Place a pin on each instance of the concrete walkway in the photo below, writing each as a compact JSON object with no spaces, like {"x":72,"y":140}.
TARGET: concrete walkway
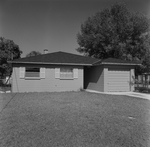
{"x":133,"y":94}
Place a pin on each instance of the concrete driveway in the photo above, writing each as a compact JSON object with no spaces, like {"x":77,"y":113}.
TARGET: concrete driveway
{"x":133,"y":94}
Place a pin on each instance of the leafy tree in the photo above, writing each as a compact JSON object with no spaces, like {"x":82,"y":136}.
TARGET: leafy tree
{"x":33,"y":53}
{"x":116,"y":33}
{"x":8,"y":51}
{"x":146,"y":58}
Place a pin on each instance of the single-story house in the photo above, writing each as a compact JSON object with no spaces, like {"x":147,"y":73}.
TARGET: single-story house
{"x":61,"y":71}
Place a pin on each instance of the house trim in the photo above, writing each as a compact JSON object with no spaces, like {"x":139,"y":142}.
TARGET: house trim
{"x":120,"y":63}
{"x":51,"y":63}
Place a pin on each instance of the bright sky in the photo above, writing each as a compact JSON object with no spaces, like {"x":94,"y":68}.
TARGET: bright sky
{"x":52,"y":24}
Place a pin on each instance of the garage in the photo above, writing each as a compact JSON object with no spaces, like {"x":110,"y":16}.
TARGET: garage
{"x":118,"y":80}
{"x":110,"y":75}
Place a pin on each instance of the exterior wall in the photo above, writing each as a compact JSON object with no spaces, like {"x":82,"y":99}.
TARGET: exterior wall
{"x":132,"y":79}
{"x":47,"y":84}
{"x":94,"y":78}
{"x":105,"y":79}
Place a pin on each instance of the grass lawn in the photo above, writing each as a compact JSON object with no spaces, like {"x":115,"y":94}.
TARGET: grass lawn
{"x":73,"y":119}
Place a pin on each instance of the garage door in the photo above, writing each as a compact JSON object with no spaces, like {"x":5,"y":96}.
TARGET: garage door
{"x":118,"y":80}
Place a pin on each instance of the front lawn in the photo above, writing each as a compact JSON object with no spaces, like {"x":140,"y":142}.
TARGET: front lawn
{"x":73,"y":119}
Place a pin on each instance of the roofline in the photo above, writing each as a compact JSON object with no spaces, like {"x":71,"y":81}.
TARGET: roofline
{"x":51,"y":63}
{"x":96,"y":62}
{"x":121,"y":63}
{"x":115,"y":63}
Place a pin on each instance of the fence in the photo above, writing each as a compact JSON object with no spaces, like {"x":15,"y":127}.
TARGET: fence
{"x":142,"y":83}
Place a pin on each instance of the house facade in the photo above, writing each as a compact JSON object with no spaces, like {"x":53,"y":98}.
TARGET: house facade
{"x":62,"y":71}
{"x":46,"y":78}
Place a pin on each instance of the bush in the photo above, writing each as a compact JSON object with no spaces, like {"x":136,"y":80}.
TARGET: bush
{"x":142,"y":89}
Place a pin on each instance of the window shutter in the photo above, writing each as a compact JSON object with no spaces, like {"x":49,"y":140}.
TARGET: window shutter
{"x":57,"y":73}
{"x":42,"y":73}
{"x":22,"y":72}
{"x":75,"y":73}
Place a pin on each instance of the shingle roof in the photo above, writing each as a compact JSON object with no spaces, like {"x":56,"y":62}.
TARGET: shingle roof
{"x":63,"y":58}
{"x":58,"y":58}
{"x":115,"y":61}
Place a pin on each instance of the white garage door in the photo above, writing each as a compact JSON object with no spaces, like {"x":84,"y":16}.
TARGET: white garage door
{"x":118,"y":80}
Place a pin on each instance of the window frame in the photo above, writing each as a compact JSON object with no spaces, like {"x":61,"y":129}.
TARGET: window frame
{"x":32,"y":77}
{"x":68,"y":75}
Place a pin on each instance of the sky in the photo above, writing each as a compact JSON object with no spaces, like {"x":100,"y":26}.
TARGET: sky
{"x":36,"y":25}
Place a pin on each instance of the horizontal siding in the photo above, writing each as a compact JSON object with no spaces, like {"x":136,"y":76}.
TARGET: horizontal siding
{"x":95,"y":78}
{"x":118,"y":80}
{"x":47,"y":84}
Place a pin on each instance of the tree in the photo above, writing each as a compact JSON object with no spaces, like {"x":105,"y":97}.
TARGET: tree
{"x":145,"y":68}
{"x":116,"y":33}
{"x":8,"y":51}
{"x":33,"y":53}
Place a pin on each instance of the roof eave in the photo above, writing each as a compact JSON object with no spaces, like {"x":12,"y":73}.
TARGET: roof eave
{"x":121,"y":63}
{"x":96,"y":62}
{"x":82,"y":64}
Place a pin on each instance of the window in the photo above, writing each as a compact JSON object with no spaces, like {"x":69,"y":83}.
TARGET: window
{"x":66,"y":73}
{"x":32,"y":72}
